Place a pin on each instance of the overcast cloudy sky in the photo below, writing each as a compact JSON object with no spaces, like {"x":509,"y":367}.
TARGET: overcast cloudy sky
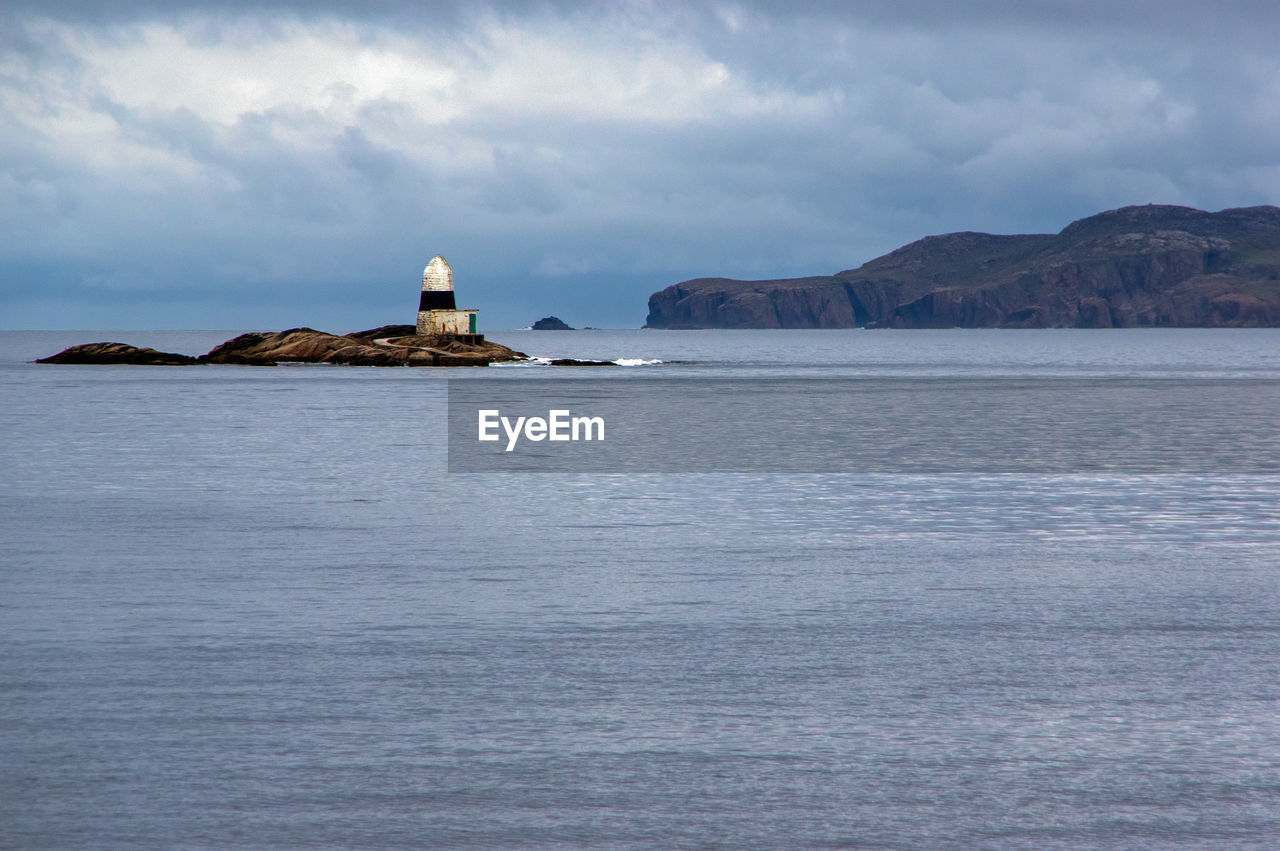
{"x":256,"y":165}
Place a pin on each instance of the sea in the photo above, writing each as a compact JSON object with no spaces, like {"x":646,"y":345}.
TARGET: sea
{"x":254,"y":608}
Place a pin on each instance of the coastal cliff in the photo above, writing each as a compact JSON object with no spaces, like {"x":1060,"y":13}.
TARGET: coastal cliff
{"x":1143,"y":266}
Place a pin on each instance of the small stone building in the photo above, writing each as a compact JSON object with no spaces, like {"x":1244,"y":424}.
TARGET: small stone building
{"x":438,"y":313}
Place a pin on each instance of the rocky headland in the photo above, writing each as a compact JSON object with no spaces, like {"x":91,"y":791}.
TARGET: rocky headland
{"x":389,"y":345}
{"x":1148,"y":266}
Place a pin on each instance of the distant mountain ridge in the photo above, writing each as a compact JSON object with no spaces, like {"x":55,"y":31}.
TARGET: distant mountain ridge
{"x":1146,"y":266}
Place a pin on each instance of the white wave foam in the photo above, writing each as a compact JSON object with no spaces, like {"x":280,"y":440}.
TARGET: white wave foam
{"x":538,"y":360}
{"x":533,"y":361}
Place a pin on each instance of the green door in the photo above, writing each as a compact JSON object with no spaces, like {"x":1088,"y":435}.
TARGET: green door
{"x":472,"y":318}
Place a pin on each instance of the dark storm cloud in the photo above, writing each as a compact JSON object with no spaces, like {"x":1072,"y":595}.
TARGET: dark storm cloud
{"x":196,"y":160}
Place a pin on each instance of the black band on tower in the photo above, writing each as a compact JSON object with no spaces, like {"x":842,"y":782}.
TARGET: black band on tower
{"x":437,"y":300}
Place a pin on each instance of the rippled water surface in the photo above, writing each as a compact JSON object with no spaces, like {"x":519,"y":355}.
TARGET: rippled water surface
{"x":247,"y":607}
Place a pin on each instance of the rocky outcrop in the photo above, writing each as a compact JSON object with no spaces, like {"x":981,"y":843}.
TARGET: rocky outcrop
{"x":385,"y":346}
{"x":384,"y":331}
{"x":117,"y":353}
{"x":1134,"y":267}
{"x":550,"y":323}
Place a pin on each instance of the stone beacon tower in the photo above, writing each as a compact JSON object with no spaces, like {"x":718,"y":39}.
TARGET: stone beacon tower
{"x":438,"y":312}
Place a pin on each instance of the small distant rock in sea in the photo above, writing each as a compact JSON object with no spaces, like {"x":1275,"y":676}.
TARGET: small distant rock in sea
{"x":551,"y":323}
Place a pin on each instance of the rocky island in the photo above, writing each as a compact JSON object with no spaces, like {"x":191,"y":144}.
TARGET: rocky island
{"x":1147,"y":266}
{"x":389,"y":345}
{"x":550,"y":323}
{"x":443,"y":336}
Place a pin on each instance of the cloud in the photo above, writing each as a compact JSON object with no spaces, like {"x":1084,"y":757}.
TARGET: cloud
{"x":178,"y":156}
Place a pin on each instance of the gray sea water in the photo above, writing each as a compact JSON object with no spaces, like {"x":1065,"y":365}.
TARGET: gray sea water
{"x":250,"y":608}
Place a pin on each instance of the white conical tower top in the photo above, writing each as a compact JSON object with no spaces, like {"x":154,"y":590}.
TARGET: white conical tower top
{"x":437,"y":276}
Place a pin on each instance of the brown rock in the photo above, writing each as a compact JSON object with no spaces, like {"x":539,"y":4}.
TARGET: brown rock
{"x":306,"y":345}
{"x":385,"y":331}
{"x":366,"y":348}
{"x":117,"y":353}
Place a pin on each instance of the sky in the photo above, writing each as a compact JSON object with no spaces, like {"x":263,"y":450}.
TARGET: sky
{"x":244,"y":165}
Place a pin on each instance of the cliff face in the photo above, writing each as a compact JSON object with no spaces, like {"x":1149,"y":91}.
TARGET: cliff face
{"x":1133,"y":267}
